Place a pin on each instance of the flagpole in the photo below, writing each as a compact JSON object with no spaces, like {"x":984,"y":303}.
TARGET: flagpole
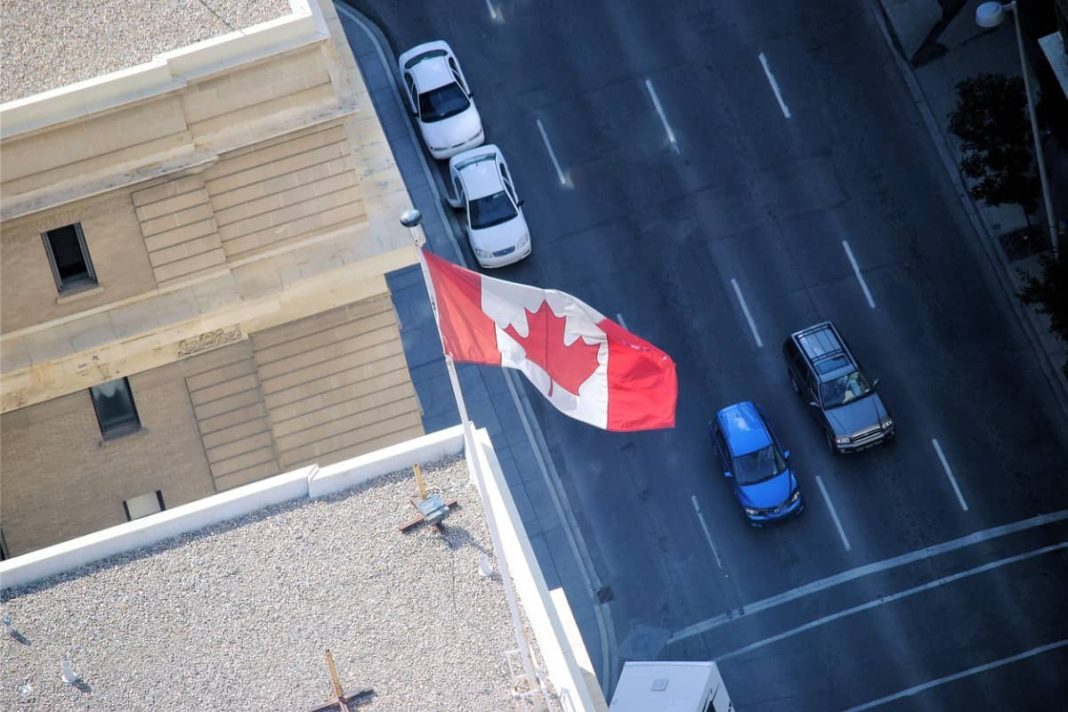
{"x":411,"y":219}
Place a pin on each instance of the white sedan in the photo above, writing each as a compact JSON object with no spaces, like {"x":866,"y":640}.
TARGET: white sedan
{"x":483,"y":186}
{"x":438,"y":96}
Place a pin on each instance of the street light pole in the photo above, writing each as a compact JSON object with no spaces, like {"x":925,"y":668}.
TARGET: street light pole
{"x":991,"y":14}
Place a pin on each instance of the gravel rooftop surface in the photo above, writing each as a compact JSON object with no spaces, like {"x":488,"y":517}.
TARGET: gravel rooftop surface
{"x":47,"y":45}
{"x":238,"y":616}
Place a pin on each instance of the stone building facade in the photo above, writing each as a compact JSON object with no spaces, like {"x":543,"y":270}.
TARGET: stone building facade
{"x":192,"y":277}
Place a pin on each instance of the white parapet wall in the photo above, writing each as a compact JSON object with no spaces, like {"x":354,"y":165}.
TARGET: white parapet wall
{"x":577,"y":689}
{"x":349,"y":473}
{"x":307,"y":482}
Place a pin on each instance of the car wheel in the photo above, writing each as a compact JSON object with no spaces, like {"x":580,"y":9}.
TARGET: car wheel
{"x":793,"y":383}
{"x":830,"y":443}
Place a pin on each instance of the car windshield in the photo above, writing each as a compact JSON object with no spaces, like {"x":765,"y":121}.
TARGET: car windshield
{"x":443,"y":102}
{"x":490,"y":210}
{"x":759,"y":465}
{"x":844,"y":389}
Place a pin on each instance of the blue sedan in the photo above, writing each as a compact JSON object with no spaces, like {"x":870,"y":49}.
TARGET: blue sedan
{"x":758,"y":467}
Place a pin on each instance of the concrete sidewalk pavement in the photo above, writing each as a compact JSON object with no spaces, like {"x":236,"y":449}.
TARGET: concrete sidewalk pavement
{"x":969,"y":51}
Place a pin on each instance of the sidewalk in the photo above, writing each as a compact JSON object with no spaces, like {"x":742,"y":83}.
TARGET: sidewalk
{"x":492,"y":402}
{"x":970,"y":50}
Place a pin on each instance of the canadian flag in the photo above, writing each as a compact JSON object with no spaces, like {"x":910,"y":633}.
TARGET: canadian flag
{"x":588,"y":366}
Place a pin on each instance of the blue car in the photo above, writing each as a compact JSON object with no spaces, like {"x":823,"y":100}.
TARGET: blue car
{"x":758,"y":467}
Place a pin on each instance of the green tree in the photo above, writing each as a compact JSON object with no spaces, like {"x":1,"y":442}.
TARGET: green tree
{"x":1049,"y":293}
{"x":991,"y":121}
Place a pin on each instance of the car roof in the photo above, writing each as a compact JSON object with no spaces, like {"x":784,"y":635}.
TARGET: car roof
{"x":743,"y":428}
{"x":824,"y":348}
{"x":478,"y":171}
{"x":432,"y":73}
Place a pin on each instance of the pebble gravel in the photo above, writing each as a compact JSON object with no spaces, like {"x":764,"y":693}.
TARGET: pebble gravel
{"x":238,"y":615}
{"x":47,"y":45}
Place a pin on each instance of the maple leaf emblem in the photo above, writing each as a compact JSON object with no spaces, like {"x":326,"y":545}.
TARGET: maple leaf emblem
{"x":569,"y":366}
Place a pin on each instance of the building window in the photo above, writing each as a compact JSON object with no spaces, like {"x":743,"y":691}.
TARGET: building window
{"x":69,"y":258}
{"x":144,"y":505}
{"x":115,"y":410}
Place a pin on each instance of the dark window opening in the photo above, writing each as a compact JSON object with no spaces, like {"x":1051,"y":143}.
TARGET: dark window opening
{"x":115,"y":409}
{"x":4,"y":553}
{"x":69,"y":257}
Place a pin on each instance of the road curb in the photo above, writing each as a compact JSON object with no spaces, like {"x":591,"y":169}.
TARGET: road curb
{"x":999,"y":262}
{"x":539,"y":447}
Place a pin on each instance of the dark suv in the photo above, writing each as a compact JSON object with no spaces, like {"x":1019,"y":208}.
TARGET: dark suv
{"x":824,"y":373}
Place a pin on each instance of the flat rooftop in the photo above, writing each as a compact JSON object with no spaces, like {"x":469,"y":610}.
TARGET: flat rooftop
{"x":238,"y":615}
{"x":47,"y":45}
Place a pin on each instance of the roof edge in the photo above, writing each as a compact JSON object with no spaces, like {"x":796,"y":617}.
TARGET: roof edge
{"x":69,"y":555}
{"x":166,"y":72}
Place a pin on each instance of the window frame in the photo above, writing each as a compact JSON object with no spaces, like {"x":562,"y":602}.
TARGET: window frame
{"x":126,"y":427}
{"x":87,"y":282}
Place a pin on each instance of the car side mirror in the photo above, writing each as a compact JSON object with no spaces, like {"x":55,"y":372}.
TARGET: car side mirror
{"x":728,"y":473}
{"x":520,"y":203}
{"x":786,"y":454}
{"x":875,"y":383}
{"x":814,"y":404}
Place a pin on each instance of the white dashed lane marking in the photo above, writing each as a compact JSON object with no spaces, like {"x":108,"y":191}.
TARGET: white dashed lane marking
{"x":774,"y":85}
{"x":834,"y":513}
{"x":748,"y":316}
{"x":856,"y":271}
{"x":949,"y":474}
{"x":708,"y":534}
{"x":663,"y":118}
{"x":564,"y":180}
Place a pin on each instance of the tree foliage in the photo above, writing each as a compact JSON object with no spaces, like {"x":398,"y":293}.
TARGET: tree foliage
{"x":1049,"y":293}
{"x":991,"y":121}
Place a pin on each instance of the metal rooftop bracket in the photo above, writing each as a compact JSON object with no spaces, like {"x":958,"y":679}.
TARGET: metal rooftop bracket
{"x":341,"y":701}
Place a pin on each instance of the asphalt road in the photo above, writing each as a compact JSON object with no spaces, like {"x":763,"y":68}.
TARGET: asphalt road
{"x":749,"y":201}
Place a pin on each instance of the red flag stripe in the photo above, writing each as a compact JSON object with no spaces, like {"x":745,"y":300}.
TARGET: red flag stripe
{"x":642,"y":383}
{"x":468,"y":334}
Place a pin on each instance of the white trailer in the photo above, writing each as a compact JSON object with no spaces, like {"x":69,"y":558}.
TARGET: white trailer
{"x":670,"y":687}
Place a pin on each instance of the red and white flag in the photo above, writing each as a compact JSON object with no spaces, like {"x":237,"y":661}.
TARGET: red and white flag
{"x":586,"y":365}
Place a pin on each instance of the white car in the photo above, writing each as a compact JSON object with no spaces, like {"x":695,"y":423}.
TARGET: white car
{"x":483,"y":186}
{"x":439,"y":98}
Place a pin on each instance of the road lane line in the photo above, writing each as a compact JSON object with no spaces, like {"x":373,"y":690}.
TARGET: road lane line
{"x":619,"y":318}
{"x":834,"y":514}
{"x":494,"y":15}
{"x":876,"y":567}
{"x":894,"y":597}
{"x":663,"y":117}
{"x":960,"y":675}
{"x":708,"y":534}
{"x":856,"y":271}
{"x":552,"y":154}
{"x":774,"y":85}
{"x":748,"y":316}
{"x":949,"y":474}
